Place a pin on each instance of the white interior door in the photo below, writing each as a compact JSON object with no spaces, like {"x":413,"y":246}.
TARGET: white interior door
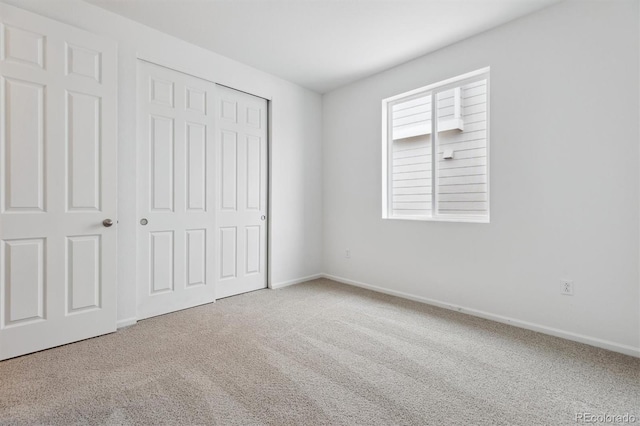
{"x":175,"y":190}
{"x":57,"y":183}
{"x":241,"y":201}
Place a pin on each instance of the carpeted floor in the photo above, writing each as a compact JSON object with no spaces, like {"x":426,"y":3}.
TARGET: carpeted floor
{"x":318,"y":353}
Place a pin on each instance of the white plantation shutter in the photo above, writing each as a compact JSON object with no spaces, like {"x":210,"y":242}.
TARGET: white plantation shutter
{"x":412,"y":118}
{"x":411,"y":157}
{"x":411,"y":176}
{"x":450,"y":110}
{"x":462,"y":181}
{"x":448,"y":181}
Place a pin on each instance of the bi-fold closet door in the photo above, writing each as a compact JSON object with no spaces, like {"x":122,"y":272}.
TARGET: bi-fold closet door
{"x":202,"y":191}
{"x":57,"y":183}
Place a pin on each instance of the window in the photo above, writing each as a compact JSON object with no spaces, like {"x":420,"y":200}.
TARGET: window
{"x":435,"y":162}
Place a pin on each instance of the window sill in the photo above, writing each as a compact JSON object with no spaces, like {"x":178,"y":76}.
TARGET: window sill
{"x":441,"y":219}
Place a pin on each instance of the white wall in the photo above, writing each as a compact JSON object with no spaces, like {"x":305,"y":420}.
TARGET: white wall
{"x":564,"y":180}
{"x":296,"y":203}
{"x":564,"y":171}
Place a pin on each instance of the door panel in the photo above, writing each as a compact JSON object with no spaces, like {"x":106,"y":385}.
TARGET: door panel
{"x":253,"y":245}
{"x":57,"y":183}
{"x":162,"y":163}
{"x":23,"y":146}
{"x":161,"y":261}
{"x":196,"y":257}
{"x":84,"y":281}
{"x":228,"y":252}
{"x":175,"y":190}
{"x":228,"y":177}
{"x":24,"y":281}
{"x":83,"y":147}
{"x":241,"y":205}
{"x":196,"y":167}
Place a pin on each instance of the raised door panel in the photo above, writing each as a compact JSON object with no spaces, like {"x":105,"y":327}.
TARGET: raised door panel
{"x":229,"y":111}
{"x":83,"y":150}
{"x":196,"y":257}
{"x":23,"y":281}
{"x":228,"y":252}
{"x":161,"y":249}
{"x":162,"y":163}
{"x":253,"y":246}
{"x":196,"y":100}
{"x":229,"y":167}
{"x":254,"y":117}
{"x":161,"y":92}
{"x":196,"y":145}
{"x":254,"y":173}
{"x":23,"y":146}
{"x":84,"y":281}
{"x":22,"y":46}
{"x":84,"y":62}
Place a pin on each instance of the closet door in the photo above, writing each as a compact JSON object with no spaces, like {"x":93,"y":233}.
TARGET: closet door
{"x":241,"y":202}
{"x":175,"y":190}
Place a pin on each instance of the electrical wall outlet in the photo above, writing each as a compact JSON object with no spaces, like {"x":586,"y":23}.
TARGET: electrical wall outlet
{"x":566,"y":287}
{"x":347,"y":253}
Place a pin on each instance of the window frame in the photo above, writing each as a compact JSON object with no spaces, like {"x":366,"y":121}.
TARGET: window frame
{"x":387,"y":144}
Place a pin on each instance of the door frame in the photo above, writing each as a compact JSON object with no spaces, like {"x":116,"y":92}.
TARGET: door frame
{"x":170,"y":61}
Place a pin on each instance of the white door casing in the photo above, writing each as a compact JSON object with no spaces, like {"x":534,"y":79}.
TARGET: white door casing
{"x":175,"y":190}
{"x":58,"y":177}
{"x":241,"y":198}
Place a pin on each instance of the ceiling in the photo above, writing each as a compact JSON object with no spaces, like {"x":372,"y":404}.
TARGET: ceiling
{"x":322,"y":44}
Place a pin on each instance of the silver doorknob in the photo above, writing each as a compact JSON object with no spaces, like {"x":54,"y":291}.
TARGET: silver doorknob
{"x":107,"y":223}
{"x":263,"y":217}
{"x":143,"y":221}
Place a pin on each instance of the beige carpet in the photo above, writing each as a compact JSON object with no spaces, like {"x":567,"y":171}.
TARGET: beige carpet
{"x":318,"y":353}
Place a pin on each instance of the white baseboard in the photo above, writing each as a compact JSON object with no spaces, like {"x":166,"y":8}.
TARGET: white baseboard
{"x":296,"y":281}
{"x":126,"y":322}
{"x":132,"y":321}
{"x":600,"y":343}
